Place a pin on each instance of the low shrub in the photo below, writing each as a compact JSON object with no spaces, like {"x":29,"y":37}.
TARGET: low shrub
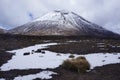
{"x":58,"y":54}
{"x":38,"y":51}
{"x":79,"y":64}
{"x":71,"y":56}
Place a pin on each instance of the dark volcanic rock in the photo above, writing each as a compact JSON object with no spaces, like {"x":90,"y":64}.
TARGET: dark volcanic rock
{"x":26,"y":53}
{"x":38,"y":51}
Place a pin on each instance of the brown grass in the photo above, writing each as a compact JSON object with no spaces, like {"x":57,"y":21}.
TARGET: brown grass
{"x":80,"y":64}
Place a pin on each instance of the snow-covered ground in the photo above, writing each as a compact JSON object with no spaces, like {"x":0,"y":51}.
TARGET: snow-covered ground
{"x":42,"y":75}
{"x":19,"y":52}
{"x":35,"y":61}
{"x":2,"y":79}
{"x":100,"y":59}
{"x":51,"y":60}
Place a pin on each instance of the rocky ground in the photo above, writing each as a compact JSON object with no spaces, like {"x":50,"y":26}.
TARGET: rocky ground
{"x":84,"y":46}
{"x":108,"y":72}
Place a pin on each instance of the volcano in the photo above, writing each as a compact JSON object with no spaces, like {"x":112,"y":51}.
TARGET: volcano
{"x":62,"y":23}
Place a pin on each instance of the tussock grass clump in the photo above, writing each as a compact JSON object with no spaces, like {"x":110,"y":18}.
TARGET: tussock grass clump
{"x":79,"y":64}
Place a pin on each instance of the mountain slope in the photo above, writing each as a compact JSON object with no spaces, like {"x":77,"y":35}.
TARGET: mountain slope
{"x":62,"y":23}
{"x":2,"y":31}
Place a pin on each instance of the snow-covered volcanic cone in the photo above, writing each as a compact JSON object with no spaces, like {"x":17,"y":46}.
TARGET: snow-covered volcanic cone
{"x":62,"y":23}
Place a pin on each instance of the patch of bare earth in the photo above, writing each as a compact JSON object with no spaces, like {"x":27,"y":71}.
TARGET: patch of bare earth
{"x":86,"y":46}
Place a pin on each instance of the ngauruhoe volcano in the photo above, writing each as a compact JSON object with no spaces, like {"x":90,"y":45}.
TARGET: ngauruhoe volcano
{"x":62,"y":23}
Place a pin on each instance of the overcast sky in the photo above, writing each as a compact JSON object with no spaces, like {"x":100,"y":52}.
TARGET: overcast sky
{"x":103,"y":12}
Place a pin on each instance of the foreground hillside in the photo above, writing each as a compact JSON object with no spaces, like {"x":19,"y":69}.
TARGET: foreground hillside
{"x":72,"y":45}
{"x":10,"y":42}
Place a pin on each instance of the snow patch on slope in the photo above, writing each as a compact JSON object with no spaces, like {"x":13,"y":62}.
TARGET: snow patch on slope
{"x":63,"y":16}
{"x":54,"y":15}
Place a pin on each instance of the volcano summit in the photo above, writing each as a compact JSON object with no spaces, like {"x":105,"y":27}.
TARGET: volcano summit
{"x":63,"y":23}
